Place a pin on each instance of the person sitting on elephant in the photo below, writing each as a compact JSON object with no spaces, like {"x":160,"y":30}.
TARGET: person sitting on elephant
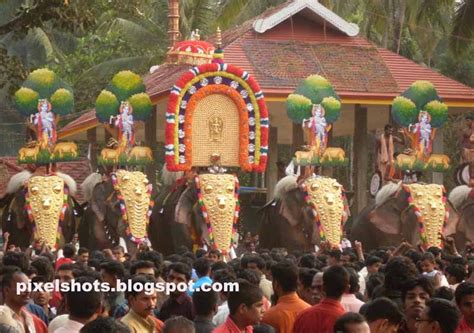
{"x":466,"y":141}
{"x":385,"y":152}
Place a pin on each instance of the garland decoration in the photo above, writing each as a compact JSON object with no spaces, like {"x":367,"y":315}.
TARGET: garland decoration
{"x":123,"y":210}
{"x":252,"y":109}
{"x":202,"y":206}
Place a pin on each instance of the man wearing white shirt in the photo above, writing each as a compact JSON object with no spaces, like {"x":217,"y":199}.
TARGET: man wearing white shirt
{"x":82,"y":306}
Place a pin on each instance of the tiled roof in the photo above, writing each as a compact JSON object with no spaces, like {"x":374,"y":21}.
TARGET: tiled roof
{"x":78,"y":170}
{"x":298,"y":47}
{"x":84,"y":122}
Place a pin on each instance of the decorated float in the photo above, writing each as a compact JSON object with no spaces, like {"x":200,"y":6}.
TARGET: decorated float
{"x":216,"y":120}
{"x":119,"y":199}
{"x":307,"y":208}
{"x":39,"y":205}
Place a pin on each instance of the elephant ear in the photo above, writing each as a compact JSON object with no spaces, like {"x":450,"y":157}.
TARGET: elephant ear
{"x":453,"y":220}
{"x":18,"y":205}
{"x":98,"y":201}
{"x":291,"y":207}
{"x":386,"y":218}
{"x":184,"y":207}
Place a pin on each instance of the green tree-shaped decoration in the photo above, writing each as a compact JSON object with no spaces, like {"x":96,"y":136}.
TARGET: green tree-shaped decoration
{"x":315,"y":89}
{"x":124,"y":86}
{"x":421,"y":95}
{"x":44,"y":83}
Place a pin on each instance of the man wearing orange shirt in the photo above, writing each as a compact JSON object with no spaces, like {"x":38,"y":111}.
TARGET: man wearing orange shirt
{"x":321,"y":317}
{"x":285,"y":282}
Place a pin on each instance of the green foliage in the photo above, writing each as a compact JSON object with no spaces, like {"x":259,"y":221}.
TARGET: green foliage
{"x":142,"y":106}
{"x":106,"y":105}
{"x":125,"y":84}
{"x":404,"y":111}
{"x":438,"y":112}
{"x":62,"y":101}
{"x":332,"y":107}
{"x":298,"y":108}
{"x":421,"y":92}
{"x":26,"y":101}
{"x":420,"y":96}
{"x":315,"y":87}
{"x":44,"y":81}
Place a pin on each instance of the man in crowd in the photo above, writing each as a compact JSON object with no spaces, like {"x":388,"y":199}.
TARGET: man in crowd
{"x":105,"y":325}
{"x":42,"y":298}
{"x":246,"y":309}
{"x":203,"y":269}
{"x":82,"y":307}
{"x":178,"y":325}
{"x":349,"y":300}
{"x":110,"y":272}
{"x":222,"y":276}
{"x":68,"y":255}
{"x":14,"y":309}
{"x":321,"y":317}
{"x":439,"y":316}
{"x":383,"y":316}
{"x":464,"y":296}
{"x":317,"y":288}
{"x":351,"y":323}
{"x":257,"y":264}
{"x":285,"y":282}
{"x":205,"y":307}
{"x":140,"y":317}
{"x":119,"y":253}
{"x":82,"y":257}
{"x":179,"y":303}
{"x":415,"y":295}
{"x":305,"y":279}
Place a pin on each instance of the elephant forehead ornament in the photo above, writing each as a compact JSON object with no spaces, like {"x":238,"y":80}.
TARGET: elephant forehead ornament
{"x":429,"y":204}
{"x":46,"y":203}
{"x":326,"y":197}
{"x":218,"y":199}
{"x":134,"y":193}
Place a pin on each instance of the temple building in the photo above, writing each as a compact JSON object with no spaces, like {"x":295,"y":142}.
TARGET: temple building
{"x":279,"y":48}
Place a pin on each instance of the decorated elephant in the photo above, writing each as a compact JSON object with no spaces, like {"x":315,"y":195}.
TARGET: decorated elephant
{"x":40,"y":208}
{"x":196,"y":211}
{"x":304,"y":213}
{"x":118,"y":210}
{"x":462,"y":198}
{"x":411,"y":212}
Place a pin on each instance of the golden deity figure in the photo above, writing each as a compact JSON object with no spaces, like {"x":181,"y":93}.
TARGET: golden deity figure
{"x":216,"y":127}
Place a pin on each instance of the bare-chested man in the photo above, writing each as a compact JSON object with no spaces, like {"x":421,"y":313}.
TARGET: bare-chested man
{"x":385,"y":152}
{"x":467,"y":141}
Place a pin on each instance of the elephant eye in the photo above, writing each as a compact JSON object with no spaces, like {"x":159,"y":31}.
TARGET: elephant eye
{"x":314,"y":187}
{"x":208,"y":189}
{"x":57,"y":189}
{"x":34,"y":190}
{"x":230,"y":189}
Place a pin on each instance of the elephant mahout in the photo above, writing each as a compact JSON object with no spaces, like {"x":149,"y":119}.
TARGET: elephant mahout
{"x":406,"y":212}
{"x":40,"y":207}
{"x":117,"y":211}
{"x":304,"y":213}
{"x":196,"y":211}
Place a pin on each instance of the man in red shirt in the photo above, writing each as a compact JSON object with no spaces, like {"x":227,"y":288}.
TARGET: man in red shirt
{"x":465,"y":301}
{"x":320,"y":318}
{"x":245,"y":309}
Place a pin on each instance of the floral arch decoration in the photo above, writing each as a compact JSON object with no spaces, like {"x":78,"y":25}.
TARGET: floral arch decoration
{"x":211,"y":79}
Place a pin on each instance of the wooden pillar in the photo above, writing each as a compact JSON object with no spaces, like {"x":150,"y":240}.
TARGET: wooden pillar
{"x":92,"y":139}
{"x":438,"y":148}
{"x":271,"y":175}
{"x":360,"y":158}
{"x":150,"y":141}
{"x":297,"y":138}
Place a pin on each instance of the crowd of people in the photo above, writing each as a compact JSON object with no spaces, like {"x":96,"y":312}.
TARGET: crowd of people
{"x":401,"y":289}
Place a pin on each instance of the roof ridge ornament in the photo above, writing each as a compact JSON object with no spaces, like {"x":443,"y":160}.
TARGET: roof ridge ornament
{"x":263,"y":23}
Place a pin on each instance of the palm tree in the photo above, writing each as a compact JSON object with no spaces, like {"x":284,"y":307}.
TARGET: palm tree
{"x":463,"y":26}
